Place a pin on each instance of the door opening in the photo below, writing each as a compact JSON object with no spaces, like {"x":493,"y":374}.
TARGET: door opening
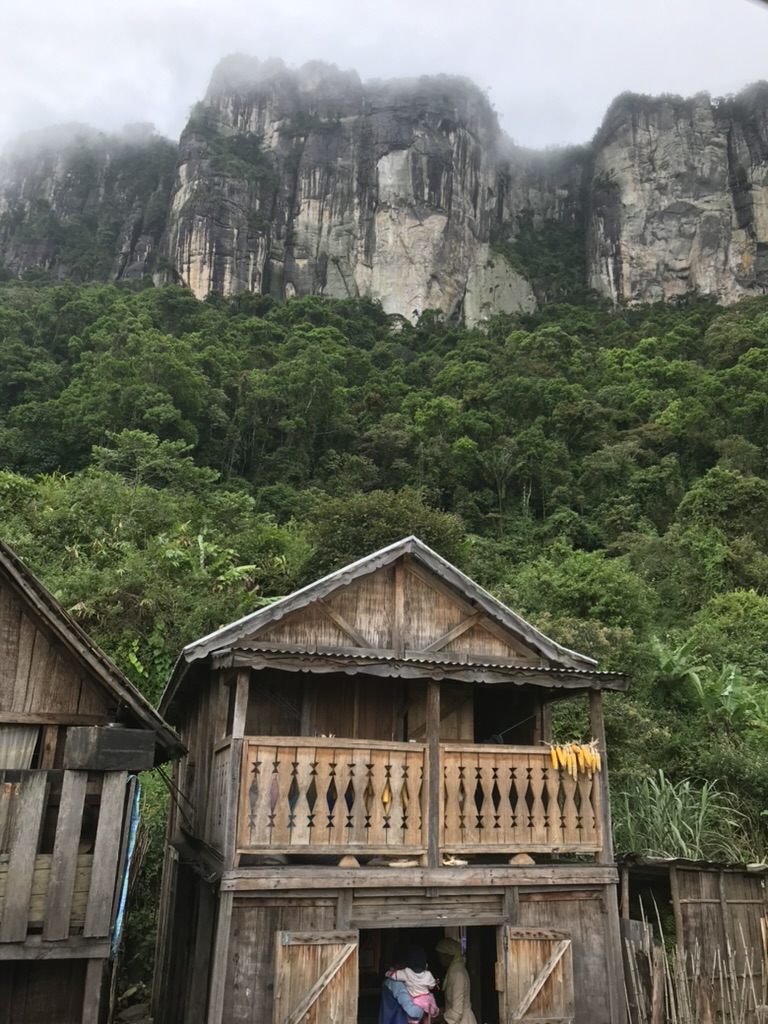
{"x":380,"y":948}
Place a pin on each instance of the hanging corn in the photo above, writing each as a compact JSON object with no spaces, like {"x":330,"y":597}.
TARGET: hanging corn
{"x":576,"y":757}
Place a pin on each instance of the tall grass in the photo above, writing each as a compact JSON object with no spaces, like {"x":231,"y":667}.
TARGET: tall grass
{"x":655,"y":817}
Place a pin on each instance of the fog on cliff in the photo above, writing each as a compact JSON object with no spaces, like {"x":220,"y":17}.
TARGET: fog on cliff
{"x":550,"y":66}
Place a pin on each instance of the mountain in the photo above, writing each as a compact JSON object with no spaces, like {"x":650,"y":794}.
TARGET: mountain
{"x":313,"y":182}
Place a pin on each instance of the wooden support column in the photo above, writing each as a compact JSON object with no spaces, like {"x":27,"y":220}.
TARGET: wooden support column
{"x":220,"y":959}
{"x":597,"y":726}
{"x":222,"y":704}
{"x":242,"y":687}
{"x":434,"y":815}
{"x":93,"y":994}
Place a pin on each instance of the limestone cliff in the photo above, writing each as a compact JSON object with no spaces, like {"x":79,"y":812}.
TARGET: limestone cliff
{"x":678,"y":199}
{"x":80,"y":205}
{"x":313,"y":182}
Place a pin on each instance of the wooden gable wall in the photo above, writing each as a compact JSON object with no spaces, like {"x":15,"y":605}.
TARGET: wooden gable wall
{"x":397,"y":609}
{"x":38,"y":680}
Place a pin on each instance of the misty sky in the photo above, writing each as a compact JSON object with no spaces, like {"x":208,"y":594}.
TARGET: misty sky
{"x":550,"y":66}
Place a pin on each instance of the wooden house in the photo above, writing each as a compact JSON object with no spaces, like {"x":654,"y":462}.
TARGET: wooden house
{"x":368,"y":764}
{"x":72,"y":730}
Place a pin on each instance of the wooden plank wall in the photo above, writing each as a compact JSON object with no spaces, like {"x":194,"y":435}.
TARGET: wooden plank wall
{"x":584,"y":914}
{"x":39,"y":993}
{"x":251,"y":960}
{"x":715,"y":909}
{"x":39,"y":681}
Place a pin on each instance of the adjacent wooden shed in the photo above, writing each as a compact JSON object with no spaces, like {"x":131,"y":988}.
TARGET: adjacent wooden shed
{"x":368,"y":763}
{"x":715,"y":913}
{"x":72,"y":732}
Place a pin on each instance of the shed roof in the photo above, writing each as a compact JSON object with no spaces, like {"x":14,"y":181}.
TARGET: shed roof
{"x":101,"y":671}
{"x":239,"y":635}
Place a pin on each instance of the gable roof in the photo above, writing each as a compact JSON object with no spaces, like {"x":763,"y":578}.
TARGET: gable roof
{"x":98,"y":668}
{"x":237,"y":634}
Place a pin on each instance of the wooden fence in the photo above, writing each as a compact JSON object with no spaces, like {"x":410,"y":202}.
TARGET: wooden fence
{"x":61,"y":838}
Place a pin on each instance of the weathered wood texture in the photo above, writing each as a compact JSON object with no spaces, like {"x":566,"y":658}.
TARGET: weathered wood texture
{"x":109,"y":749}
{"x":597,"y":966}
{"x":718,"y":910}
{"x":331,"y":796}
{"x":38,"y":676}
{"x":251,"y":952}
{"x":537,"y":975}
{"x":400,"y":610}
{"x":315,"y":977}
{"x":334,"y":796}
{"x":42,"y":993}
{"x":69,"y":887}
{"x":512,"y":799}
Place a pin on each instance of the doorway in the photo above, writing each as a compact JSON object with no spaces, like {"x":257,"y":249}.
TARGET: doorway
{"x":380,"y":947}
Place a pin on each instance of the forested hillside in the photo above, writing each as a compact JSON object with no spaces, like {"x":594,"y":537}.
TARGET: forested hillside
{"x":170,"y":463}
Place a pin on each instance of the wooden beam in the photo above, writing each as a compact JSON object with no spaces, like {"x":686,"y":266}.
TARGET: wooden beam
{"x":316,"y":876}
{"x":453,"y":634}
{"x":106,"y":870}
{"x":94,"y":992}
{"x":50,"y":718}
{"x":35,"y":949}
{"x":242,"y":688}
{"x":434,"y":786}
{"x":219,"y":959}
{"x":597,"y":726}
{"x":398,"y":617}
{"x":21,"y":862}
{"x":58,"y":907}
{"x":346,"y":627}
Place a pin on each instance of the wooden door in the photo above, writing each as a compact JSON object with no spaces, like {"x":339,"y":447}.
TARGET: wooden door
{"x":534,"y":975}
{"x":316,"y":978}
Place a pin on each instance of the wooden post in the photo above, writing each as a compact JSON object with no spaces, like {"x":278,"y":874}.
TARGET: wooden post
{"x":625,"y":893}
{"x":92,"y":996}
{"x":220,"y":959}
{"x":674,"y":889}
{"x":241,"y":703}
{"x":204,"y":931}
{"x":433,"y":814}
{"x":222,"y":705}
{"x":597,"y":726}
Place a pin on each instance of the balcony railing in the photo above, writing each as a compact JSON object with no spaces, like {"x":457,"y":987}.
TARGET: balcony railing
{"x":326,"y":795}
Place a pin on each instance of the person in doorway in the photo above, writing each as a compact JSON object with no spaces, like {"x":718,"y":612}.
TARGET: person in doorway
{"x":419,"y":982}
{"x":456,"y":985}
{"x":396,"y":1006}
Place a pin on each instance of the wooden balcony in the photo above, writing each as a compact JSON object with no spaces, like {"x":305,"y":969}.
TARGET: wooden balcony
{"x":314,"y":796}
{"x":61,"y":839}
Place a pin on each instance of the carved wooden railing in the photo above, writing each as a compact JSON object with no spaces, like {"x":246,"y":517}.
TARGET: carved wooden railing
{"x":511,"y":799}
{"x":324,"y":795}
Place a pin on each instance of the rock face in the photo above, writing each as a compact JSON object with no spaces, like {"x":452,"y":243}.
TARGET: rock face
{"x":312,"y":182}
{"x":678,"y":200}
{"x":80,"y":205}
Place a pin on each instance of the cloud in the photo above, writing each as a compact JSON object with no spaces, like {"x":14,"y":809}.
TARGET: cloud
{"x":550,"y":66}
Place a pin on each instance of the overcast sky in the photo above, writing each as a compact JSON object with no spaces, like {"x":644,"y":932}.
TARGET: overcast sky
{"x":550,"y":66}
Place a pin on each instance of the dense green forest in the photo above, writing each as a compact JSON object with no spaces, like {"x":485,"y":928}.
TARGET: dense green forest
{"x":170,"y":464}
